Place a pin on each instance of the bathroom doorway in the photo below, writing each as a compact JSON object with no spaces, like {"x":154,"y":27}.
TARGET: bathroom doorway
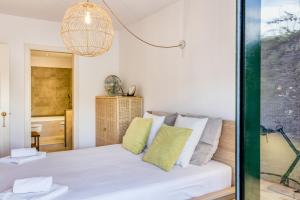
{"x":51,"y":100}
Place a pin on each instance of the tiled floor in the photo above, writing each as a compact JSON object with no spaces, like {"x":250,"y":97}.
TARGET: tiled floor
{"x":283,"y":193}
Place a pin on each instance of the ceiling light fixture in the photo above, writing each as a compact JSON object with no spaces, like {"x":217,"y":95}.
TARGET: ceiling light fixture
{"x":87,"y":30}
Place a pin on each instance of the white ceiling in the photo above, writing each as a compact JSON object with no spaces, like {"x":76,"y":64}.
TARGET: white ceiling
{"x":53,"y":10}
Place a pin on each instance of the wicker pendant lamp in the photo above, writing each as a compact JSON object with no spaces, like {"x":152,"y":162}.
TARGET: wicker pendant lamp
{"x":87,"y":30}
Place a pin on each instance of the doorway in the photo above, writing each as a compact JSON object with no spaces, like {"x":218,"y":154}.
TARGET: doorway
{"x":51,"y":100}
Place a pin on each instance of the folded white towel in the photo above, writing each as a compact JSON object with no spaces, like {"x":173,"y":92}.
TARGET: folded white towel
{"x":22,"y":160}
{"x":23,"y":152}
{"x":35,"y":184}
{"x":54,"y":192}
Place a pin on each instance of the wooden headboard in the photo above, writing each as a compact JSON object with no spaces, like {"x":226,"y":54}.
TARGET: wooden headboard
{"x":226,"y":149}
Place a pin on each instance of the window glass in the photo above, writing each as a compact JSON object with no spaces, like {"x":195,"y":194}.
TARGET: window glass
{"x":280,"y":99}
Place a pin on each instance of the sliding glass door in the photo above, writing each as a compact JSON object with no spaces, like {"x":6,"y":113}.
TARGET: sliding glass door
{"x":269,"y":106}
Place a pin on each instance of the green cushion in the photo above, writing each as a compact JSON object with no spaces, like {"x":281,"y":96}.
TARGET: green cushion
{"x":137,"y":134}
{"x":167,"y":146}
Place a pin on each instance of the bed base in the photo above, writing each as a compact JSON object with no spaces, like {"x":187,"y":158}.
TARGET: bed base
{"x":227,"y":194}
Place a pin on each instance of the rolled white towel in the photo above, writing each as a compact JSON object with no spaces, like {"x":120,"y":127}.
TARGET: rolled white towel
{"x":55,"y":191}
{"x":32,"y":185}
{"x":23,"y":152}
{"x":22,"y":160}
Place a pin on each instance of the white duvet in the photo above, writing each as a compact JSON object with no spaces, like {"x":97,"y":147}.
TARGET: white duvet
{"x":111,"y":173}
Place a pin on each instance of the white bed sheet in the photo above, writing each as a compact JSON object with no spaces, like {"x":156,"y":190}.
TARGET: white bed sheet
{"x":111,"y":172}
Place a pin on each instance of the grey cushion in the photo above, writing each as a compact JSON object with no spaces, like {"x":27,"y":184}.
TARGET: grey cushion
{"x":209,"y":140}
{"x":170,"y":117}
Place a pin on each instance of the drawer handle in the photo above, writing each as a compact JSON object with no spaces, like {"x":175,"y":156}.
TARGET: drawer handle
{"x":104,"y":129}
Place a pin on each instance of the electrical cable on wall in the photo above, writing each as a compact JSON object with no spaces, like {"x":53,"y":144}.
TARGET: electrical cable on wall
{"x":181,"y":44}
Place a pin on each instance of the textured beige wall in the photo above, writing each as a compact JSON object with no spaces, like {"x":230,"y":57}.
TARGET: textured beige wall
{"x":50,"y":61}
{"x":50,"y":88}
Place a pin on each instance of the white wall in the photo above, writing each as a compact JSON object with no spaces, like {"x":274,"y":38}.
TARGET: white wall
{"x":18,"y":32}
{"x":200,"y":79}
{"x":92,"y":75}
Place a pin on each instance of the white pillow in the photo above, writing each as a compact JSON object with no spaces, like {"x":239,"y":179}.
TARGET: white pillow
{"x":197,"y":125}
{"x":157,"y":122}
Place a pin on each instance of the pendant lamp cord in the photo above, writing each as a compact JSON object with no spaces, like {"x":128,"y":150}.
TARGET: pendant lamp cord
{"x":180,"y":45}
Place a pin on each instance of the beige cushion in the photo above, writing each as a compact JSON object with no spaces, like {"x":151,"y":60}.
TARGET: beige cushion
{"x":209,"y":140}
{"x":170,"y":117}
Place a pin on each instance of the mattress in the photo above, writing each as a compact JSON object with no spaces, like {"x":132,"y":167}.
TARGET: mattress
{"x":111,"y":172}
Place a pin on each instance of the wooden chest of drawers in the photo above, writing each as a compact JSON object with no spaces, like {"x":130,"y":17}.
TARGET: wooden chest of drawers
{"x":113,"y":116}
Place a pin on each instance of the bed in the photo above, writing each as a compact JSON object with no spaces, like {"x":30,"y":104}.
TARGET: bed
{"x":111,"y":172}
